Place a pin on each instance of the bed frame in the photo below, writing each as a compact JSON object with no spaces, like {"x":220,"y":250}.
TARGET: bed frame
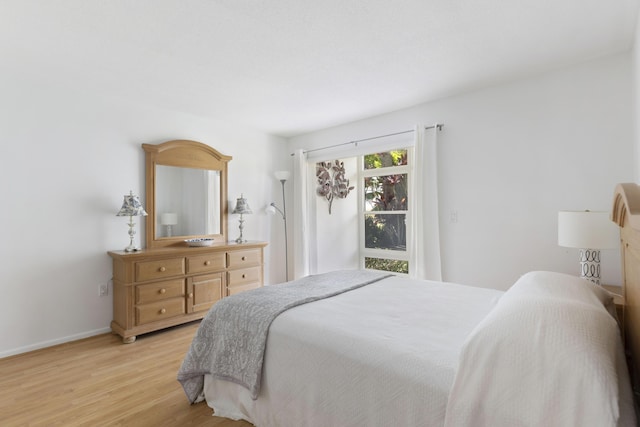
{"x":626,"y":213}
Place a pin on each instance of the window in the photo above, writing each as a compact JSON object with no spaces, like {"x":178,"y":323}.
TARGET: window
{"x":384,"y":211}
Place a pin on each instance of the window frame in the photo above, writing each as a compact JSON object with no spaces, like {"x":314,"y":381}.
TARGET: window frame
{"x":364,"y":252}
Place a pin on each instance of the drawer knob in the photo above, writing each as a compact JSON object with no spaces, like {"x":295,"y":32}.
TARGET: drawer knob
{"x":191,"y":295}
{"x":244,"y":276}
{"x":162,"y":269}
{"x":207,"y":263}
{"x":244,"y":258}
{"x":163,"y":310}
{"x":163,"y":290}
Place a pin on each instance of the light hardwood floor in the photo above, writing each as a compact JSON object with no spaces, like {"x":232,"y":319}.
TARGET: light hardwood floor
{"x":99,"y":381}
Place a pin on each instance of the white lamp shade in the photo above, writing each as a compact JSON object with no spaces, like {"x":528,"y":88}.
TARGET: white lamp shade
{"x":271,"y":210}
{"x":169,"y":218}
{"x":282,"y":175}
{"x":242,"y":206}
{"x":587,"y":230}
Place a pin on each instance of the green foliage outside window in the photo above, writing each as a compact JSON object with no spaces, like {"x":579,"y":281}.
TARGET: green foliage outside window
{"x":385,"y":193}
{"x":385,"y":160}
{"x":386,"y":196}
{"x":385,"y":231}
{"x":390,"y":265}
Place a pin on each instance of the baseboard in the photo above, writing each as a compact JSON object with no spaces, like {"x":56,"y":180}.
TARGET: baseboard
{"x":51,"y":343}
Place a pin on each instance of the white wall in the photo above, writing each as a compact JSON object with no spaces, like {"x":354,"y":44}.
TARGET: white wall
{"x":511,"y":157}
{"x":67,"y":159}
{"x":336,"y":234}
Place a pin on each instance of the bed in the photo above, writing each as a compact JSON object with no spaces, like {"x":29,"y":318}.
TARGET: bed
{"x":384,"y":350}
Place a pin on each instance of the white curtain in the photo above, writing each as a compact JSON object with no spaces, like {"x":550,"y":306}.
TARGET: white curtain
{"x":424,"y":240}
{"x":300,"y":216}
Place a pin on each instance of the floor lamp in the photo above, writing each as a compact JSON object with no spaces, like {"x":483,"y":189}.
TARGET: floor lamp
{"x":282,"y":176}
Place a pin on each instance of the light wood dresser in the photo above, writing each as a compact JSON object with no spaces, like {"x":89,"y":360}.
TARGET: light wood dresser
{"x":158,"y":288}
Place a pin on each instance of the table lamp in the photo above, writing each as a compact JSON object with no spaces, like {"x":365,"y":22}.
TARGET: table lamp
{"x":131,"y":207}
{"x":588,"y":231}
{"x":169,"y":219}
{"x":242,"y":208}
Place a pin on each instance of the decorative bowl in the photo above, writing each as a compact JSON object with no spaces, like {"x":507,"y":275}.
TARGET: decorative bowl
{"x":199,"y":242}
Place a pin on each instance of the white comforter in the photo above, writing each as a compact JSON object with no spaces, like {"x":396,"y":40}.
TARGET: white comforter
{"x":400,"y":339}
{"x":549,"y":354}
{"x":414,"y":353}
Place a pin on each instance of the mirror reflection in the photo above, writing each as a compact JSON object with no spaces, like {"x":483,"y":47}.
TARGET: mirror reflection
{"x":187,"y":201}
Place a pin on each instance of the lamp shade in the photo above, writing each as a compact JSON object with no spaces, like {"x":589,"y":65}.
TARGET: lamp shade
{"x":271,"y":210}
{"x":587,"y":230}
{"x":131,"y":206}
{"x":242,"y":207}
{"x":282,"y":175}
{"x":169,"y":218}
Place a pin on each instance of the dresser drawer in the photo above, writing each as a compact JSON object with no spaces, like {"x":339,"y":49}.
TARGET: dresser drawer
{"x":244,"y":276}
{"x":159,"y":291}
{"x":156,"y":311}
{"x":244,"y":258}
{"x":232,"y":290}
{"x":150,"y":270}
{"x":206,"y":263}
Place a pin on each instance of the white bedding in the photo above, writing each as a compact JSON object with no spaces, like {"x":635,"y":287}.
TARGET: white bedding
{"x":413,"y":353}
{"x":400,"y":338}
{"x":549,"y":354}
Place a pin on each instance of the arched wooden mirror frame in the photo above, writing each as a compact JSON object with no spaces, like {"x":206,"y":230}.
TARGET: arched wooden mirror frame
{"x":186,"y":154}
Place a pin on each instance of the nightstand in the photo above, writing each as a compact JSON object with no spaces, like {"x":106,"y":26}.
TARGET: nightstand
{"x":618,"y":300}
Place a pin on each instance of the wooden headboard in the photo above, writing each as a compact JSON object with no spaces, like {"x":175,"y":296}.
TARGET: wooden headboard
{"x":626,"y":213}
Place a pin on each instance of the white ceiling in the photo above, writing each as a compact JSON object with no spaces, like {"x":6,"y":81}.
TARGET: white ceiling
{"x":288,"y":67}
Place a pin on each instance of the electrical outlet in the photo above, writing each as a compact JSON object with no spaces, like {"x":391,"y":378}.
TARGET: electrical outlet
{"x":103,"y":290}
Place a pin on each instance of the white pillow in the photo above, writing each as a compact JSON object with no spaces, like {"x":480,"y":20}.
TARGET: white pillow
{"x":558,"y":285}
{"x":545,"y":355}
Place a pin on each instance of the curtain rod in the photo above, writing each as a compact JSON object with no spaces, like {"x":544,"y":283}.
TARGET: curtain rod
{"x":439,"y":126}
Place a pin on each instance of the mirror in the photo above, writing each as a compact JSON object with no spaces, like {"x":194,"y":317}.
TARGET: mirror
{"x":186,"y":201}
{"x":186,"y":193}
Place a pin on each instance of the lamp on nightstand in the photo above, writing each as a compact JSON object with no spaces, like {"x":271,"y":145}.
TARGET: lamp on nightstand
{"x":588,"y":231}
